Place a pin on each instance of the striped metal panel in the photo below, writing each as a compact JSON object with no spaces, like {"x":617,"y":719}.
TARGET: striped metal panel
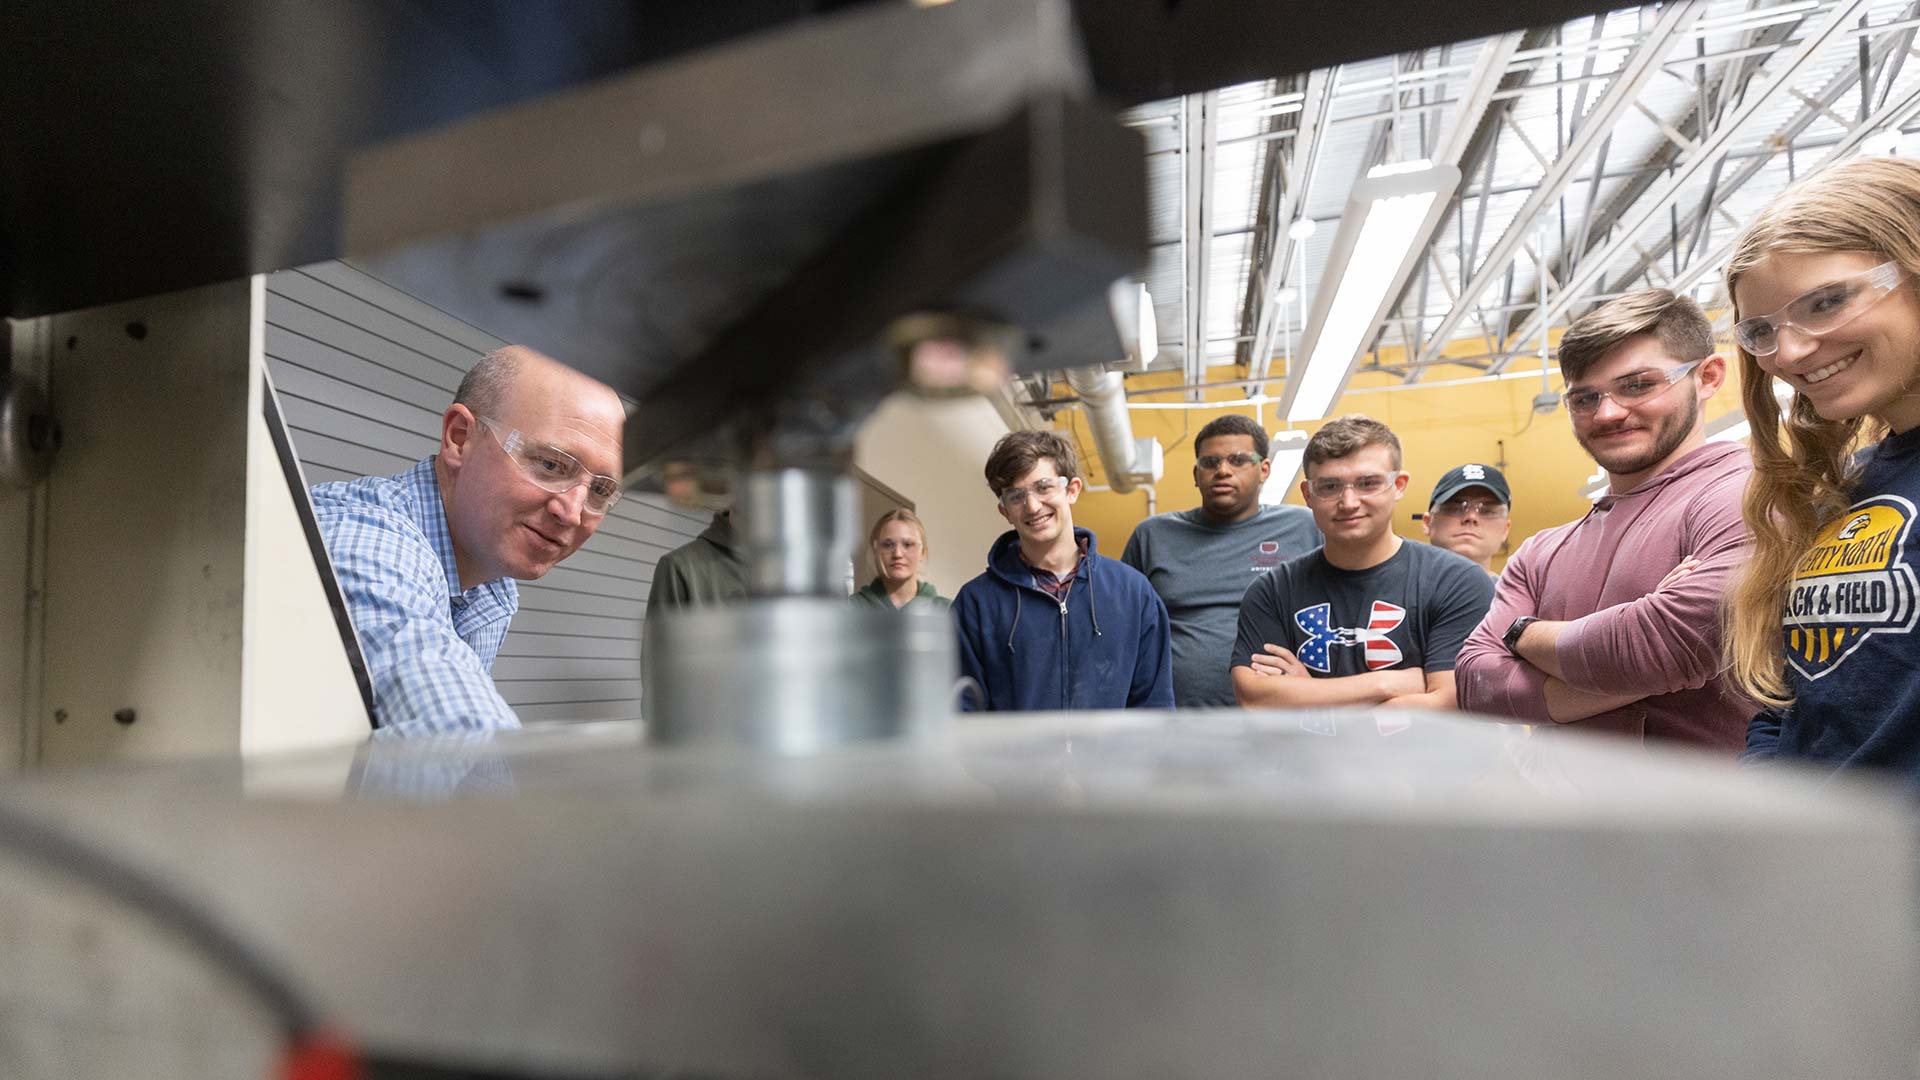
{"x":364,"y":372}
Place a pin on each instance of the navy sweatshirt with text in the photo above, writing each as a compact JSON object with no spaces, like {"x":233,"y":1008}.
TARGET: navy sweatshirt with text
{"x":1849,"y":633}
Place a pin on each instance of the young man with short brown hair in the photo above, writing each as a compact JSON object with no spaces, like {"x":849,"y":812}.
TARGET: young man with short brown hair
{"x":1052,"y":624}
{"x":1367,"y":618}
{"x":1612,"y":623}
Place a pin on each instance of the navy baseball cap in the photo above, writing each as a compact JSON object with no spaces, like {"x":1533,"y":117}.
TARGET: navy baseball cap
{"x":1462,"y":477}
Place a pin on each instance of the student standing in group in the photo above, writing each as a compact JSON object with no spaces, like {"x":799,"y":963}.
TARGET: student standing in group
{"x":1822,"y":621}
{"x":1470,"y":513}
{"x":1613,"y":622}
{"x":898,"y":542}
{"x":1367,"y":618}
{"x":1052,"y":624}
{"x":1201,"y":561}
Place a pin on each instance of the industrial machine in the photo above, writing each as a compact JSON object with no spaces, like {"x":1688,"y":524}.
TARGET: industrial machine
{"x":1196,"y":895}
{"x":756,"y":226}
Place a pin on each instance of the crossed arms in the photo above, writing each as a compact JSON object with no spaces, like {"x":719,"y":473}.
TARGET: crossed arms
{"x":1566,"y":671}
{"x":1278,"y":680}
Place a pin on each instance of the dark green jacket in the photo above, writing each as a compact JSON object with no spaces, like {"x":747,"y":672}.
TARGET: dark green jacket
{"x":875,"y":595}
{"x":710,"y":569}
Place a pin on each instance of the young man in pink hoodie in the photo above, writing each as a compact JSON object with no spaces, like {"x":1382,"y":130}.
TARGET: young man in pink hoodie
{"x":1612,"y":623}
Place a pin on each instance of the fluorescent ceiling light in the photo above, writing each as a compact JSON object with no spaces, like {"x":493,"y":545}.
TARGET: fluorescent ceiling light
{"x":1286,"y":449}
{"x":1386,"y":217}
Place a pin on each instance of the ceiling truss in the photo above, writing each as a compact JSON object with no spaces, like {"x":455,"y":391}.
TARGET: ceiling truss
{"x":1598,"y":156}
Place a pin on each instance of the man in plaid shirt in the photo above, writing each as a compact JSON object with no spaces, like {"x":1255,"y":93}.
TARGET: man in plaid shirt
{"x":529,"y":464}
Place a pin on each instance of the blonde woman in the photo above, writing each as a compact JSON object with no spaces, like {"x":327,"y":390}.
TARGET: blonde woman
{"x":1822,"y":623}
{"x":898,"y":542}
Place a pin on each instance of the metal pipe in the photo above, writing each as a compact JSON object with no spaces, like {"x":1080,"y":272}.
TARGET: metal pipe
{"x":1075,"y":403}
{"x":1104,"y":395}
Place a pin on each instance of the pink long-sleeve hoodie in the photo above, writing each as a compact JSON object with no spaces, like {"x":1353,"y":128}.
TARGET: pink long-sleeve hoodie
{"x":1600,"y":574}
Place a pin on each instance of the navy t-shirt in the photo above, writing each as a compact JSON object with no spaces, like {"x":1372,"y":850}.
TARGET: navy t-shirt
{"x":1853,"y":662}
{"x":1414,"y":610}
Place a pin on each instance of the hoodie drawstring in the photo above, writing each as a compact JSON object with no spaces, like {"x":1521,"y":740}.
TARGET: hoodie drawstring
{"x":1017,"y":605}
{"x":1092,"y":611}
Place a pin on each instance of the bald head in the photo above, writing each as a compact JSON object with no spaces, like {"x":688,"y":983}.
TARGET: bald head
{"x":503,"y":522}
{"x":512,"y":378}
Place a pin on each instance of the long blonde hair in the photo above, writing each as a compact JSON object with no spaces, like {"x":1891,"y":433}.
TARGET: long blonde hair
{"x":1803,"y":465}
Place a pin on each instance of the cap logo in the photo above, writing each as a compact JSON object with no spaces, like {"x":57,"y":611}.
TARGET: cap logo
{"x":1473,"y":472}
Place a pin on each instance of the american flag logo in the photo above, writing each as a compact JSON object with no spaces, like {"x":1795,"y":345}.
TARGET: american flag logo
{"x":1380,"y":651}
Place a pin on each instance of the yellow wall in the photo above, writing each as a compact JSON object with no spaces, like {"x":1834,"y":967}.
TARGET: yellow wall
{"x":1439,"y":427}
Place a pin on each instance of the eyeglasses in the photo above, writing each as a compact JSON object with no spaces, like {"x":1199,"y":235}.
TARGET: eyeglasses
{"x":1487,"y":509}
{"x":1238,"y":460}
{"x":554,"y":470}
{"x":1628,"y":391}
{"x":1329,"y":488}
{"x":891,"y":546}
{"x":1822,"y":311}
{"x":1014,"y":497}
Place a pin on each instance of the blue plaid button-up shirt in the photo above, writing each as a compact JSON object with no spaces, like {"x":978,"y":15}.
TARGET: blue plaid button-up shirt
{"x":429,"y":646}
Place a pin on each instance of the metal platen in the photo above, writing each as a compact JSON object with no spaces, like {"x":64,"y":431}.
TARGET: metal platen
{"x":1328,"y":894}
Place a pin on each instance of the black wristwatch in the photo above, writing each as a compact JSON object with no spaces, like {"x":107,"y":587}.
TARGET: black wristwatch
{"x":1512,"y":637}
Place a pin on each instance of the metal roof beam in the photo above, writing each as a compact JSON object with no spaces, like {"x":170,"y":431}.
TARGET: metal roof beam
{"x":1270,"y":276}
{"x":1481,"y":156}
{"x":1620,"y":95}
{"x":1887,"y":49}
{"x":1713,"y":147}
{"x":1198,"y":116}
{"x":1270,"y":182}
{"x":1893,"y":113}
{"x":1731,"y":86}
{"x":1474,"y":127}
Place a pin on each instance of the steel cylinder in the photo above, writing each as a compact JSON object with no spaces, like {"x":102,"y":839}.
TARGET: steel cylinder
{"x":794,"y":675}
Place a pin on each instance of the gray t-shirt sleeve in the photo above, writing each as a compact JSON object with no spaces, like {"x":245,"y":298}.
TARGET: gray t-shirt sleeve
{"x":1135,"y":554}
{"x":1462,"y":593}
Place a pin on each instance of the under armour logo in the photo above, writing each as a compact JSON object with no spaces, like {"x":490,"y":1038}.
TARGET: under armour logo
{"x":1380,"y":651}
{"x":1473,"y":472}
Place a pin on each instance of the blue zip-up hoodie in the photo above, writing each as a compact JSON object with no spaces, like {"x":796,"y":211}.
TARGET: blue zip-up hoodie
{"x":1107,"y":647}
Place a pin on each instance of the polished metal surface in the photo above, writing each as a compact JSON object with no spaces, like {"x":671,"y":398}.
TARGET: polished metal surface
{"x":799,"y":531}
{"x":799,"y":674}
{"x":1325,"y":894}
